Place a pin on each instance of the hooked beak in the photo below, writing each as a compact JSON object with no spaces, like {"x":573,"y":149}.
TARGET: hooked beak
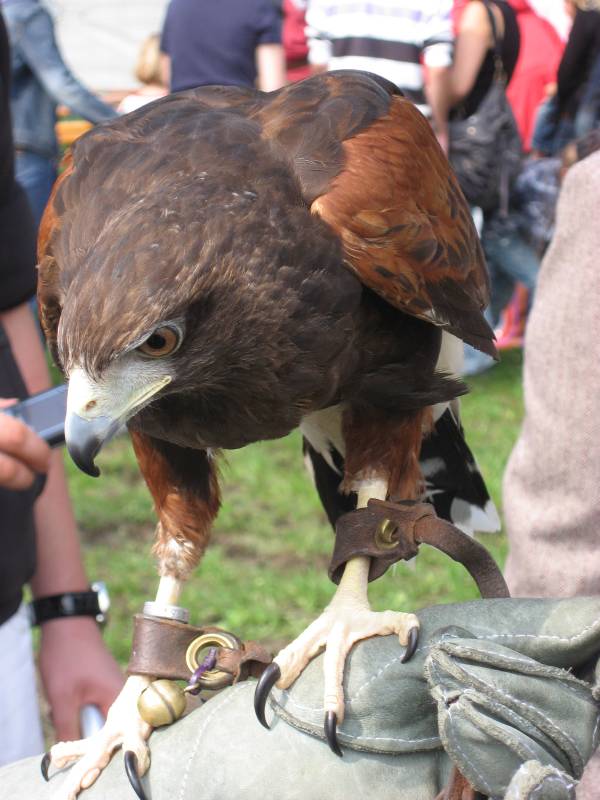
{"x":97,"y":410}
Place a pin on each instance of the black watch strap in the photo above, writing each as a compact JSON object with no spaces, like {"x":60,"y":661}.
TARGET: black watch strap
{"x":69,"y":604}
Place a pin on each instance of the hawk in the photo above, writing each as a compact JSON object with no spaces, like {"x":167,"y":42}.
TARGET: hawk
{"x":223,"y":266}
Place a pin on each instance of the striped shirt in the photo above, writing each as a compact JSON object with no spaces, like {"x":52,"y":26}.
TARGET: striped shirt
{"x":391,"y":38}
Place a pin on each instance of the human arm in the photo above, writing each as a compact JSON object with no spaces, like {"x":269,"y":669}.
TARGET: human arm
{"x":165,"y":69}
{"x":437,"y":91}
{"x":269,"y":54}
{"x":43,"y":57}
{"x":474,"y":38}
{"x":437,"y":60}
{"x":76,"y":667}
{"x":270,"y":67}
{"x":571,"y":70}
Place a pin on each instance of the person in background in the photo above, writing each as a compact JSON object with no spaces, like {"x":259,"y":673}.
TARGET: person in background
{"x":295,"y":43}
{"x":409,"y":42}
{"x":233,"y":42}
{"x":473,"y":67}
{"x":556,"y":121}
{"x":148,"y":72}
{"x":587,"y":118}
{"x":534,"y":76}
{"x":38,"y":533}
{"x":508,"y":256}
{"x":551,"y":485}
{"x":40,"y":81}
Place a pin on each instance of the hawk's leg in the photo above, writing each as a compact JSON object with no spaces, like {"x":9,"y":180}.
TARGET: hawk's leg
{"x":184,"y":487}
{"x":345,"y":621}
{"x":381,"y":454}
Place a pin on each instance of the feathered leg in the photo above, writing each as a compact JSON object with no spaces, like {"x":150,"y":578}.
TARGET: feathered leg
{"x":183,"y":484}
{"x":381,"y":460}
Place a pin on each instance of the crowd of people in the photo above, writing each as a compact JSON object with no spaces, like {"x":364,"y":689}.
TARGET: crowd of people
{"x":451,"y":59}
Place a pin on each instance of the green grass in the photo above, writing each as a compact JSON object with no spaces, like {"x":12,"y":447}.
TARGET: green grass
{"x":264,"y":576}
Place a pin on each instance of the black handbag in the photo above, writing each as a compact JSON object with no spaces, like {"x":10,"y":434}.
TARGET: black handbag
{"x":485,"y":147}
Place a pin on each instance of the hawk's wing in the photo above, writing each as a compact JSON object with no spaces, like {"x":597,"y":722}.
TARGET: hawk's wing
{"x":370,"y":166}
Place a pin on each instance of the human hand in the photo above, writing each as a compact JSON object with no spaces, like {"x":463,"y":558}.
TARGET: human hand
{"x":22,"y":452}
{"x":76,"y":670}
{"x":443,"y":140}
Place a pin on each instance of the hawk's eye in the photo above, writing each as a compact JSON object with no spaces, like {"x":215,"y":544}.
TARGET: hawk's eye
{"x":160,"y":343}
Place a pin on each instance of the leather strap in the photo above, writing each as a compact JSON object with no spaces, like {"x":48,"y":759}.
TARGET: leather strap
{"x":68,"y":604}
{"x":160,"y":647}
{"x":390,"y":532}
{"x":458,"y":788}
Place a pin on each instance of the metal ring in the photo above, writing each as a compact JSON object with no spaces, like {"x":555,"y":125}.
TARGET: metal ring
{"x":212,"y":678}
{"x":177,"y":613}
{"x":384,"y":535}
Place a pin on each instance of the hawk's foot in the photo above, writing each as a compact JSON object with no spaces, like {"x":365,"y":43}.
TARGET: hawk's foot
{"x":123,"y":728}
{"x":343,"y":623}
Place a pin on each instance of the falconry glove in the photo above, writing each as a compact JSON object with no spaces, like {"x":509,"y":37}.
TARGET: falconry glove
{"x":504,"y":690}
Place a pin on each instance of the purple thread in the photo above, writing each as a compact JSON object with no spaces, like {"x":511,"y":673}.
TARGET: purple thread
{"x":193,"y":685}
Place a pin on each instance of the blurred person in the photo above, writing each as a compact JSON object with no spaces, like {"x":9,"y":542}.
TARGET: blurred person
{"x":587,"y":117}
{"x":474,"y":66}
{"x":555,"y":124}
{"x":295,"y":42}
{"x":552,"y":480}
{"x":510,"y":259}
{"x":232,"y":43}
{"x":38,"y":534}
{"x":148,"y":71}
{"x":40,"y":81}
{"x":555,"y":13}
{"x":534,"y":76}
{"x":409,"y":42}
{"x":23,"y":455}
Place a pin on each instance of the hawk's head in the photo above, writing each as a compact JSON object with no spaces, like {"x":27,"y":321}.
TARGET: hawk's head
{"x":204,"y":308}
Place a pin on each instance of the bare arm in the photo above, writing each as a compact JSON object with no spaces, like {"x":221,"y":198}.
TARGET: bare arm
{"x":165,"y":69}
{"x":76,"y":667}
{"x":473,"y":40}
{"x":270,"y":67}
{"x":437,"y":90}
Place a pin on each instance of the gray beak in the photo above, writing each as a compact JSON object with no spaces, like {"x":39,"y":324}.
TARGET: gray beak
{"x":85,"y":437}
{"x":97,"y":410}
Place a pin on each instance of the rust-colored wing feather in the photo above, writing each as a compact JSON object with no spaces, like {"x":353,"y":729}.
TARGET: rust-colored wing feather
{"x":405,"y":226}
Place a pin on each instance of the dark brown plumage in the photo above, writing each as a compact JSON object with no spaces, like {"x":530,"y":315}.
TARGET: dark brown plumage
{"x":304,"y":242}
{"x":223,"y":266}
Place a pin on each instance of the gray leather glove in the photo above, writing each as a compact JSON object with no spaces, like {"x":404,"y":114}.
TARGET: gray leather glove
{"x":504,"y":689}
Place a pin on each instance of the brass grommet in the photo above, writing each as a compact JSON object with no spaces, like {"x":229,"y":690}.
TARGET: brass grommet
{"x":384,"y":535}
{"x":212,"y":678}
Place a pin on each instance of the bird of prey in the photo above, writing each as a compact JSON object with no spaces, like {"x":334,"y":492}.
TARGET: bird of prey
{"x":223,"y":266}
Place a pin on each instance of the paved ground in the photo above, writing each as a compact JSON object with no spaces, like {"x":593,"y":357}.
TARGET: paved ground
{"x":100,"y":38}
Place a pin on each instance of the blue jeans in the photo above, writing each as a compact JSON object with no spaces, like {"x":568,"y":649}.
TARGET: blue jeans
{"x":551,"y":133}
{"x":510,"y":260}
{"x":36,"y":174}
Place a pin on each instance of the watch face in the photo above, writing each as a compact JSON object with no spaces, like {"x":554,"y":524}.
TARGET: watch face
{"x":103,"y":600}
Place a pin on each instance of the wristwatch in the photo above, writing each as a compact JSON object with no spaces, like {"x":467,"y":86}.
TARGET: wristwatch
{"x":93,"y":603}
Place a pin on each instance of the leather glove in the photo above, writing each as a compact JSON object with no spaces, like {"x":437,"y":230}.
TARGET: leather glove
{"x":503,"y":689}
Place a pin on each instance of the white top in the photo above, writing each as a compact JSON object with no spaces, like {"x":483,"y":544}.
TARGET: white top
{"x":388,"y":37}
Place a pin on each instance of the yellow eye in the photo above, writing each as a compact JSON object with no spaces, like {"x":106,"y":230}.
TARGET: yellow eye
{"x":161,"y":343}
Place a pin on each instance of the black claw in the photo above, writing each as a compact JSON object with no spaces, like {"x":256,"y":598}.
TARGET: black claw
{"x":331,"y":733}
{"x":131,"y":768}
{"x":266,"y":682}
{"x":413,"y":640}
{"x":45,"y":766}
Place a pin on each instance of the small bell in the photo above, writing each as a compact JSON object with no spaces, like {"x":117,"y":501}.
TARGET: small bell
{"x":161,"y":703}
